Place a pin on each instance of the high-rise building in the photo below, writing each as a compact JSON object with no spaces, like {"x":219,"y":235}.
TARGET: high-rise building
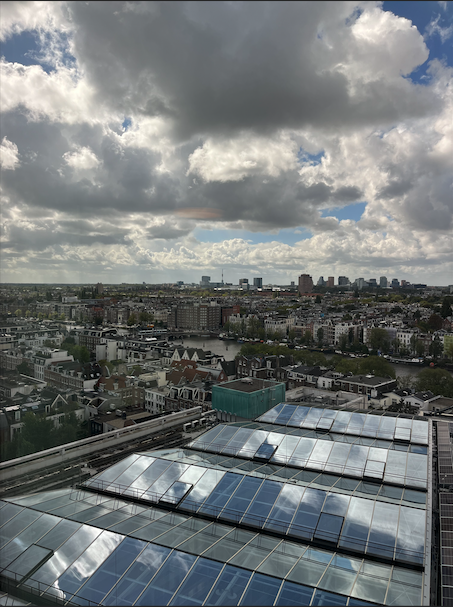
{"x":395,"y":283}
{"x":99,"y":288}
{"x":343,"y":281}
{"x":305,"y":284}
{"x":205,"y":280}
{"x":372,"y":282}
{"x":244,"y":283}
{"x":258,"y":283}
{"x":330,"y":281}
{"x":321,"y":282}
{"x":383,"y":282}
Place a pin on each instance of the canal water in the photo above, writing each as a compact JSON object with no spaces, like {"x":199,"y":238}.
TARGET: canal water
{"x":229,"y":349}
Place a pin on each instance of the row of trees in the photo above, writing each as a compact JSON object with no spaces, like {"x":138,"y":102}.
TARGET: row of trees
{"x":438,"y":381}
{"x":143,"y":318}
{"x":379,"y":340}
{"x":39,"y":433}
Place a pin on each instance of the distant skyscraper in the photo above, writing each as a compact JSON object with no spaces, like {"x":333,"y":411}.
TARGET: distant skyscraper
{"x":305,"y":284}
{"x":343,"y":281}
{"x":205,"y":280}
{"x":331,"y":281}
{"x":321,"y":282}
{"x":258,"y":283}
{"x":372,"y":282}
{"x":383,"y":282}
{"x":395,"y":283}
{"x":244,"y":283}
{"x":99,"y":288}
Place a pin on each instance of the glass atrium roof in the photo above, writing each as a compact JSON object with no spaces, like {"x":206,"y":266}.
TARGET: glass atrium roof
{"x":252,"y":513}
{"x":328,"y":452}
{"x":111,"y":552}
{"x":346,"y":422}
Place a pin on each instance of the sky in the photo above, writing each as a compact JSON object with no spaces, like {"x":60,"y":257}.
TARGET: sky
{"x":162,"y":141}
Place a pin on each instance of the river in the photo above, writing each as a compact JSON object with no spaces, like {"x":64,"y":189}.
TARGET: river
{"x":229,"y":349}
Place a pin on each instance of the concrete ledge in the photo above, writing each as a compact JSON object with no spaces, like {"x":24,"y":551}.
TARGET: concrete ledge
{"x":51,"y":457}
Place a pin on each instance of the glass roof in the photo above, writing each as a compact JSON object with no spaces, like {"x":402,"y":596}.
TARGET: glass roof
{"x":396,"y":531}
{"x":380,"y":460}
{"x":348,"y":422}
{"x":188,"y":561}
{"x":304,"y":506}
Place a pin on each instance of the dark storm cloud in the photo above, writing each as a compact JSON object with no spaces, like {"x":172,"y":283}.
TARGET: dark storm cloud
{"x":231,"y":66}
{"x":49,"y":234}
{"x":394,"y":189}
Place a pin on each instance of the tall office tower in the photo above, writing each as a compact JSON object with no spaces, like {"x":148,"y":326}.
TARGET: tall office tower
{"x":395,"y":283}
{"x":372,"y":282}
{"x":321,"y":282}
{"x":360,"y":283}
{"x":305,"y":284}
{"x":99,"y":288}
{"x":258,"y":283}
{"x":244,"y":283}
{"x":343,"y":281}
{"x":205,"y":280}
{"x":383,"y":282}
{"x":331,"y":281}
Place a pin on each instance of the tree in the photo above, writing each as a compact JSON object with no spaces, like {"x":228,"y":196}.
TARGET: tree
{"x":396,"y":343}
{"x":320,"y":335}
{"x":435,"y":322}
{"x":308,"y":337}
{"x":419,"y":348}
{"x":445,"y":309}
{"x":376,"y":365}
{"x":131,"y":320}
{"x":38,"y":431}
{"x":448,"y":348}
{"x":413,"y":340}
{"x":438,"y":381}
{"x":24,"y":368}
{"x":379,"y":339}
{"x":343,"y":342}
{"x":347,"y":365}
{"x":318,"y":299}
{"x":435,"y":348}
{"x":18,"y":312}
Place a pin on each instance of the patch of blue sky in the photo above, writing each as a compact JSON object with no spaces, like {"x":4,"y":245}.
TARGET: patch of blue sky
{"x":26,"y":48}
{"x":287,"y":236}
{"x":21,"y":48}
{"x":305,"y":158}
{"x":422,"y":14}
{"x":127,"y":123}
{"x":351,"y":211}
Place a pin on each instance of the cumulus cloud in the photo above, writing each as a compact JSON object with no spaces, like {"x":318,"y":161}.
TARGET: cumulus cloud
{"x":234,"y":159}
{"x":161,"y":119}
{"x":9,"y":155}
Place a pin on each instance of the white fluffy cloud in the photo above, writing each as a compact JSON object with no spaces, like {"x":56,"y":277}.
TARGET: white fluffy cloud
{"x":9,"y":155}
{"x":243,"y":156}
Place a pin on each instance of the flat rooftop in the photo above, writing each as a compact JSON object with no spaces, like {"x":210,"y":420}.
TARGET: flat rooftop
{"x":248,"y":384}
